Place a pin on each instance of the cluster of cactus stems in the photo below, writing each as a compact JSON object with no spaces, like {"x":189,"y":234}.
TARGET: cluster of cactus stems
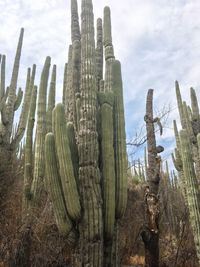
{"x":187,"y":159}
{"x":10,"y":101}
{"x":79,"y":151}
{"x":168,"y":191}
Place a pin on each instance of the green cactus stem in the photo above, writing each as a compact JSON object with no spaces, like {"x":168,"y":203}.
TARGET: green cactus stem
{"x":195,"y":112}
{"x":191,"y":188}
{"x":25,"y":108}
{"x":109,"y":51}
{"x":180,"y":104}
{"x":75,"y":28}
{"x":89,"y":175}
{"x":2,"y":77}
{"x":69,"y":89}
{"x":38,"y":174}
{"x":28,"y":166}
{"x":12,"y":89}
{"x":73,"y":148}
{"x":108,"y":163}
{"x":66,"y":170}
{"x":51,"y":100}
{"x":53,"y":182}
{"x":18,"y":100}
{"x":99,"y":52}
{"x":119,"y":141}
{"x":64,"y":83}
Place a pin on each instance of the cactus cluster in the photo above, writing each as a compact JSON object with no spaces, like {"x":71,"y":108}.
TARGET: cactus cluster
{"x":10,"y":101}
{"x":34,"y":170}
{"x":79,"y":152}
{"x":187,"y":159}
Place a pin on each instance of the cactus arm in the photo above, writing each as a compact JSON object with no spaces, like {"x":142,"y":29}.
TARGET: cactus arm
{"x":176,"y":135}
{"x":195,"y":112}
{"x":73,"y":148}
{"x":68,"y":88}
{"x":25,"y":107}
{"x":99,"y":52}
{"x":3,"y":104}
{"x":28,"y":168}
{"x":76,"y":70}
{"x":2,"y":77}
{"x":51,"y":100}
{"x":38,"y":174}
{"x":54,"y":189}
{"x":64,"y":84}
{"x":109,"y":51}
{"x":107,"y":162}
{"x":77,"y":113}
{"x":18,"y":100}
{"x":12,"y":91}
{"x":75,"y":28}
{"x":180,"y":104}
{"x":119,"y":141}
{"x":65,"y":164}
{"x":188,"y":125}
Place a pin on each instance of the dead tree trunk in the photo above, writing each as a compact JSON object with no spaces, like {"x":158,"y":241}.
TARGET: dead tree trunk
{"x":150,"y":232}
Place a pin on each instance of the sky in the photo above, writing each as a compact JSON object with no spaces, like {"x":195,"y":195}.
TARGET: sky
{"x":156,"y":41}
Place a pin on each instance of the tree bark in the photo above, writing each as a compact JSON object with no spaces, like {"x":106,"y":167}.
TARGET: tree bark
{"x":150,"y":231}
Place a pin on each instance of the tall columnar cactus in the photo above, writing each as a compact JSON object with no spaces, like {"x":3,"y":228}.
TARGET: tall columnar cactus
{"x":10,"y":101}
{"x":187,"y":158}
{"x":38,"y":173}
{"x":28,"y":165}
{"x":34,"y":158}
{"x":119,"y":141}
{"x":85,"y":155}
{"x":192,"y":189}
